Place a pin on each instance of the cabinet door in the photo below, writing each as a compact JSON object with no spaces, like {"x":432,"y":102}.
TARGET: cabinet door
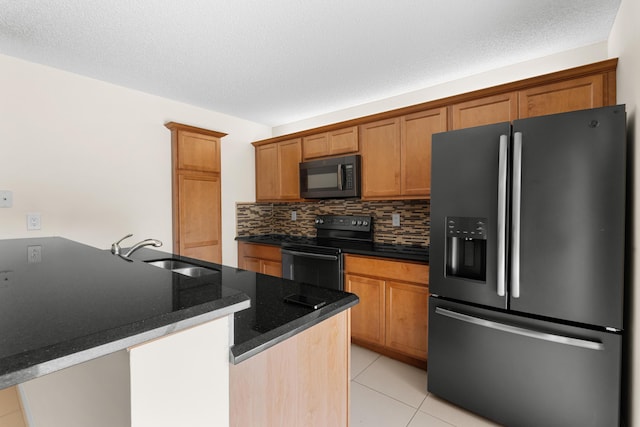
{"x":267,"y":182}
{"x":315,"y":146}
{"x":251,"y":264}
{"x":199,"y":218}
{"x":380,"y":158}
{"x":367,"y":317}
{"x":343,"y":141}
{"x":416,"y":130}
{"x":484,"y":111}
{"x":406,"y":318}
{"x":571,"y":95}
{"x":289,"y":158}
{"x":272,"y":268}
{"x":198,"y":152}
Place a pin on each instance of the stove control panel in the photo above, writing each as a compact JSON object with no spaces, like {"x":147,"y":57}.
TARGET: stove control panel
{"x":344,"y":222}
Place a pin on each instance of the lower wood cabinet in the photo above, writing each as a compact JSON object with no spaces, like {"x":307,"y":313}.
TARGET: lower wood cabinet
{"x":392,"y":315}
{"x":265,"y":259}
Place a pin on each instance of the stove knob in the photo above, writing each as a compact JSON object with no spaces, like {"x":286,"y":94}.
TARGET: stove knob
{"x":359,"y":222}
{"x":365,"y":223}
{"x":319,"y":221}
{"x":353,"y":222}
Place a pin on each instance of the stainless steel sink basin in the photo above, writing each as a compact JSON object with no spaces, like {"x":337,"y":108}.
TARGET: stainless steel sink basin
{"x":182,"y":267}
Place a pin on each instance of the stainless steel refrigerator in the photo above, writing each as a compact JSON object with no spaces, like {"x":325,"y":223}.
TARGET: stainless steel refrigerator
{"x":527,"y":268}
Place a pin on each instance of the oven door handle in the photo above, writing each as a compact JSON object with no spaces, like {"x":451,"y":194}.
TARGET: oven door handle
{"x":310,"y":255}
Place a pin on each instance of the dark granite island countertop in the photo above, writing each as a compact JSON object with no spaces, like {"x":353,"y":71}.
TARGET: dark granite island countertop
{"x":269,"y":320}
{"x":63,"y":303}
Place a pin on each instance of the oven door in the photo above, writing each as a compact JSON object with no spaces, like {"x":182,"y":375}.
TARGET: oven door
{"x":317,"y":266}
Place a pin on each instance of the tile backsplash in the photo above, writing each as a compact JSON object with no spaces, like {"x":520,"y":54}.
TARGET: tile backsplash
{"x":275,"y":218}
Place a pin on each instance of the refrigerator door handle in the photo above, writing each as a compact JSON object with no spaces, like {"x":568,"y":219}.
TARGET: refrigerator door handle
{"x":502,"y":214}
{"x":545,"y":336}
{"x":515,"y":220}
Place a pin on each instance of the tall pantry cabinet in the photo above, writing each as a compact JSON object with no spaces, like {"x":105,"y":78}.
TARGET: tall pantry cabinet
{"x":197,"y":222}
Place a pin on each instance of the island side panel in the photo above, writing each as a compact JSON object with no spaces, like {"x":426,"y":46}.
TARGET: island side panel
{"x":301,"y":381}
{"x":182,"y":379}
{"x":93,"y":393}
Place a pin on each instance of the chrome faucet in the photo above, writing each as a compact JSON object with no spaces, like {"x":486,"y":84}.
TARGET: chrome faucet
{"x":117,"y":250}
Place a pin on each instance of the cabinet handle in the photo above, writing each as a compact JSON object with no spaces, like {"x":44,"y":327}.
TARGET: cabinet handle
{"x":502,"y":214}
{"x":515,"y":220}
{"x":545,"y":336}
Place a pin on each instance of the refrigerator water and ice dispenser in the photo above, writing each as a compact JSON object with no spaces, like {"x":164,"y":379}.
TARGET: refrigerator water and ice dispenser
{"x":466,"y":248}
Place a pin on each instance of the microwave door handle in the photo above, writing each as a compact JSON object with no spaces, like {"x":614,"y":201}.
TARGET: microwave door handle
{"x":340,"y":184}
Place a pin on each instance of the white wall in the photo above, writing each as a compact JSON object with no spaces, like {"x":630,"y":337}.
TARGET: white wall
{"x":624,"y":42}
{"x":95,"y":158}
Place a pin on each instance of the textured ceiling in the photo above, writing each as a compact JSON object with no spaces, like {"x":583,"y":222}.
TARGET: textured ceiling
{"x":279,"y":61}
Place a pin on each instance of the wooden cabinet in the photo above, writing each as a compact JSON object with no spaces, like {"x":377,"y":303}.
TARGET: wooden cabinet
{"x":395,"y":145}
{"x":265,"y":259}
{"x":332,"y":143}
{"x":539,"y":100}
{"x":196,"y":188}
{"x":302,"y":381}
{"x":570,"y":95}
{"x":368,"y":317}
{"x":380,"y":149}
{"x":396,"y":155}
{"x":277,"y":170}
{"x":392,"y":315}
{"x":484,"y":111}
{"x":415,"y":150}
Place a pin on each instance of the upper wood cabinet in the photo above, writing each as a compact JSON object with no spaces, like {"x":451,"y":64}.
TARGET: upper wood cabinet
{"x":416,"y":131}
{"x":380,"y":149}
{"x":484,"y":111}
{"x":196,"y":188}
{"x":198,"y":152}
{"x":396,"y":145}
{"x":277,"y":170}
{"x":341,"y":141}
{"x":396,"y":155}
{"x":570,"y":95}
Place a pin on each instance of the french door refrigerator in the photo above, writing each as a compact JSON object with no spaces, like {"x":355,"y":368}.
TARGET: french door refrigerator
{"x":527,"y":268}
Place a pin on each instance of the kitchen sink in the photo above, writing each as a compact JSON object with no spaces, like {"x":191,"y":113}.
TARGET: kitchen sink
{"x":184,"y":268}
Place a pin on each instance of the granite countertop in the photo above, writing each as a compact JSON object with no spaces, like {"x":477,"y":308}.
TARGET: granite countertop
{"x":63,"y":303}
{"x":384,"y":250}
{"x":269,"y":320}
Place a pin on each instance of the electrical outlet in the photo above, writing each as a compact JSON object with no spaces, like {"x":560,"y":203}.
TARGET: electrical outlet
{"x":294,"y":216}
{"x":34,"y":221}
{"x":34,"y":254}
{"x":395,"y":220}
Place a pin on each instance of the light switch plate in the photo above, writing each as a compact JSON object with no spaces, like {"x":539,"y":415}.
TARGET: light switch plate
{"x":6,"y":199}
{"x":395,"y":220}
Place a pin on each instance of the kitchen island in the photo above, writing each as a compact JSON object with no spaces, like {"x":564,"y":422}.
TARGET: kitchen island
{"x":67,"y":305}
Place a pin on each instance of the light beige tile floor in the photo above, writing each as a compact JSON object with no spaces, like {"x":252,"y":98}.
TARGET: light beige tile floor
{"x":388,"y":393}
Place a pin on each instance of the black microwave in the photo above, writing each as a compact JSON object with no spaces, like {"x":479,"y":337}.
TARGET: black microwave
{"x":337,"y":177}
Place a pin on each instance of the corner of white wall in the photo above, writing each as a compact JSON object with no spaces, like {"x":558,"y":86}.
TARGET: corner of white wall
{"x":624,"y":43}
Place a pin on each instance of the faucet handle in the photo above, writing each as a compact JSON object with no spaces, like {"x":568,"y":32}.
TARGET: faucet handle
{"x":115,"y":247}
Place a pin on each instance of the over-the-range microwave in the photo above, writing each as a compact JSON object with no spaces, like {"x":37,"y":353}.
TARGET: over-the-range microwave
{"x":337,"y":177}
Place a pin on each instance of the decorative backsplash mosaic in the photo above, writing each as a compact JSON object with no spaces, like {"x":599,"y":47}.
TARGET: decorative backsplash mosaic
{"x":275,"y":218}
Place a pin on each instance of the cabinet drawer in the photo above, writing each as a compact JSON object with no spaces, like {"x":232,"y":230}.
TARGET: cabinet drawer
{"x":260,"y":251}
{"x":381,"y":267}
